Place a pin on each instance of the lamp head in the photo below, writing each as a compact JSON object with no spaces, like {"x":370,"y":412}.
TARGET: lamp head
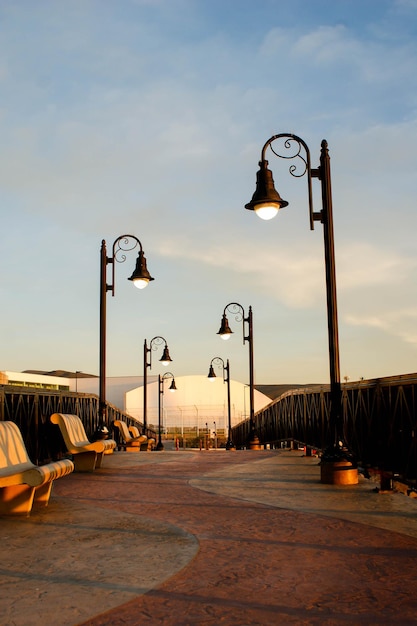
{"x":165,"y":358}
{"x":141,"y":276}
{"x":211,"y":375}
{"x":172,"y":386}
{"x":266,"y":200}
{"x":225,"y":330}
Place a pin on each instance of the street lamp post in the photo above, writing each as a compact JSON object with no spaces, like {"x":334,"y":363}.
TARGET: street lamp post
{"x":165,"y":360}
{"x":140,"y":279}
{"x":217,"y":360}
{"x":337,"y":463}
{"x":225,"y":332}
{"x":172,"y":387}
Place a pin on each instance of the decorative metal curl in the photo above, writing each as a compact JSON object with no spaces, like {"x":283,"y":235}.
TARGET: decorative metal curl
{"x":235,"y":309}
{"x":156,"y":342}
{"x":120,"y":246}
{"x":123,"y":244}
{"x":289,"y":145}
{"x":164,"y":378}
{"x":300,"y":144}
{"x":238,"y":311}
{"x":217,"y":360}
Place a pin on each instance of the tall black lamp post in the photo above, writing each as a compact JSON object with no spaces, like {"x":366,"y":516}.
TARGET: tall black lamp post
{"x":217,"y":360}
{"x":225,"y":332}
{"x":165,"y":360}
{"x":172,"y":387}
{"x":140,"y":279}
{"x":337,"y":463}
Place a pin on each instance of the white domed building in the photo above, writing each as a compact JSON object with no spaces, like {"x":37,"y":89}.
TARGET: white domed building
{"x":197,"y":407}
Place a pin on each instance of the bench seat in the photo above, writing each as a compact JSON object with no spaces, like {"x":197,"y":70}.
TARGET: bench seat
{"x":129,"y":442}
{"x":150,"y":442}
{"x":22,"y":483}
{"x":87,"y":455}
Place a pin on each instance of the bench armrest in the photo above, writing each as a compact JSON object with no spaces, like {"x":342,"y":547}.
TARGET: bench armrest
{"x":39,"y":475}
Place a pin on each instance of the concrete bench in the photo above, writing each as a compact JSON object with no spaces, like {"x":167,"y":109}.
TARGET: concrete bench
{"x":87,"y":455}
{"x":131,"y":443}
{"x":134,"y":431}
{"x":23,"y":484}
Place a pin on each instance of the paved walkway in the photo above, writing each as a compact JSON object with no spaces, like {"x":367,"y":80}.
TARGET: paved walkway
{"x":211,"y":538}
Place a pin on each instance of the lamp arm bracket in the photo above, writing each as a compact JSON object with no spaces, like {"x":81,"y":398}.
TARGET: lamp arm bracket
{"x":163,"y":379}
{"x":235,"y":309}
{"x":145,"y":354}
{"x":156,"y":341}
{"x":121,"y":245}
{"x":217,"y":360}
{"x":247,"y":337}
{"x":295,"y":145}
{"x":318,"y":216}
{"x":238,"y":311}
{"x":153,"y":345}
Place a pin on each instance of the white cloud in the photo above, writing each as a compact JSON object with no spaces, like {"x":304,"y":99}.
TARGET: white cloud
{"x":287,"y":275}
{"x":406,"y":4}
{"x":400,"y":323}
{"x":359,"y":63}
{"x":327,"y":45}
{"x":364,"y":265}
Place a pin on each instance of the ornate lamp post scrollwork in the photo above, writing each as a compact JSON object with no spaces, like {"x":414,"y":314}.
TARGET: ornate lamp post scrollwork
{"x":217,"y":360}
{"x":225,"y":332}
{"x":172,"y":387}
{"x":140,"y":278}
{"x":154,"y":343}
{"x":337,"y":464}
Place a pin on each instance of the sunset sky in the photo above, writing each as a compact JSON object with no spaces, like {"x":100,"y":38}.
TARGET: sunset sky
{"x":147,"y":117}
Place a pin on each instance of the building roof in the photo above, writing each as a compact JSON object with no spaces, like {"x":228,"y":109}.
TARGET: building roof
{"x":60,"y":373}
{"x":274,"y":391}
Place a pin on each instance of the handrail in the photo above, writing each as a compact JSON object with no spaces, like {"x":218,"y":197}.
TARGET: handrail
{"x":31,"y":408}
{"x":379,"y":421}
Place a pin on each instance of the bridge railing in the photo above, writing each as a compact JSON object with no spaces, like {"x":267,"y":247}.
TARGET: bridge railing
{"x":379,"y":421}
{"x":31,"y":409}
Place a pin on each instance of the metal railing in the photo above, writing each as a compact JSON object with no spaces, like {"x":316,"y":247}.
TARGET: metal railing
{"x":31,"y":409}
{"x":379,"y":422}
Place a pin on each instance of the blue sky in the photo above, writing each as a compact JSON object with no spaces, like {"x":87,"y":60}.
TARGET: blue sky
{"x":148,"y":117}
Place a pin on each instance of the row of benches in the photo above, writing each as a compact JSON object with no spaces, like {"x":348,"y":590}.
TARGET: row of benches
{"x":24,"y":484}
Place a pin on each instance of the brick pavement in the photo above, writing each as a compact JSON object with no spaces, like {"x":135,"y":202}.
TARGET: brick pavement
{"x":237,"y":562}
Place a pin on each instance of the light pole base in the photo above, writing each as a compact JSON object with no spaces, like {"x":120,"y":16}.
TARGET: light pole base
{"x":338,"y":466}
{"x":254,"y":442}
{"x":230,"y":445}
{"x":338,"y":473}
{"x":159,"y":446}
